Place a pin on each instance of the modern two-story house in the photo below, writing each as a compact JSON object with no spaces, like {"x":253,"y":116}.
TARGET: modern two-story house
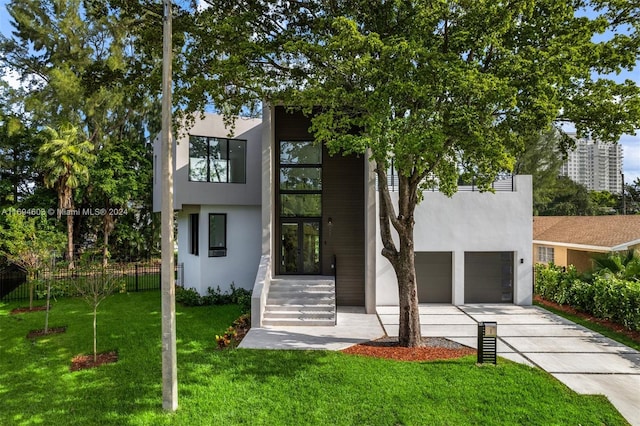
{"x":270,"y":210}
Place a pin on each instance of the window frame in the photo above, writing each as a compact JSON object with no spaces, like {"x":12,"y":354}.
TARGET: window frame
{"x":194,"y":234}
{"x":218,"y":250}
{"x":546,"y":254}
{"x":228,"y":142}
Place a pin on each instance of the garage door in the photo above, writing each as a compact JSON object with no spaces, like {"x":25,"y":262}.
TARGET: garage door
{"x":433,"y":273}
{"x":488,"y":277}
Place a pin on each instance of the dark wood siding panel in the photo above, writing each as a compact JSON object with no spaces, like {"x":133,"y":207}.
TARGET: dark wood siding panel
{"x":434,"y":276}
{"x":291,"y":125}
{"x":343,"y":203}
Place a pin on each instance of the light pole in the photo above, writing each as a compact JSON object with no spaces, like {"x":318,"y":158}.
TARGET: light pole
{"x":169,"y":363}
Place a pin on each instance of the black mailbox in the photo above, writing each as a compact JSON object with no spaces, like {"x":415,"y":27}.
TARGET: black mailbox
{"x":487,"y":342}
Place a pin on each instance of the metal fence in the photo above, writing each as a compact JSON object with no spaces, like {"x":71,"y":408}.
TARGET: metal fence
{"x":143,"y":276}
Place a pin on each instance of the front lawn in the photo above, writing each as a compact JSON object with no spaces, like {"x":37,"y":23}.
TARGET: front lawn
{"x":253,"y":387}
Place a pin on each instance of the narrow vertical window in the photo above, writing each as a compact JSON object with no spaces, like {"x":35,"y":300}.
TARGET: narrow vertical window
{"x":194,"y":233}
{"x":217,"y":234}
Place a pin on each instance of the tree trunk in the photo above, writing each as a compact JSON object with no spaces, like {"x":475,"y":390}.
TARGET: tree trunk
{"x":108,"y":225}
{"x":46,"y":317}
{"x":95,"y":332}
{"x":402,"y":260}
{"x":409,"y":334}
{"x":31,"y":277}
{"x":70,"y":239}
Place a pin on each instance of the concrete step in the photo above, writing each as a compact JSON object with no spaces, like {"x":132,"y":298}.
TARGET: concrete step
{"x":324,"y":300}
{"x":300,"y":301}
{"x":300,"y":307}
{"x":297,"y":322}
{"x":299,"y":314}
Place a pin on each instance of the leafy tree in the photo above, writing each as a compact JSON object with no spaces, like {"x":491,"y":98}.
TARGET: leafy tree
{"x":87,"y":63}
{"x":66,"y":159}
{"x":30,"y":243}
{"x":18,"y":150}
{"x":632,"y":197}
{"x":567,"y":198}
{"x":541,"y":158}
{"x":443,"y":87}
{"x":604,"y":202}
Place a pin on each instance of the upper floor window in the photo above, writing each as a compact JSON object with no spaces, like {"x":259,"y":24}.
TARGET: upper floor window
{"x":217,"y":160}
{"x":545,"y":254}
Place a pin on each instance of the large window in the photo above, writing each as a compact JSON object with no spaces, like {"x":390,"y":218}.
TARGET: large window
{"x":300,"y":179}
{"x":217,"y":160}
{"x":545,"y":254}
{"x":217,"y":234}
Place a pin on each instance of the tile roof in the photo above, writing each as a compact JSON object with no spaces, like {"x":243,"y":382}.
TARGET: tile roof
{"x":603,"y":231}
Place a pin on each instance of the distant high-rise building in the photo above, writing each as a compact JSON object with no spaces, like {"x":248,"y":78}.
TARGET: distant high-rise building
{"x":596,"y":165}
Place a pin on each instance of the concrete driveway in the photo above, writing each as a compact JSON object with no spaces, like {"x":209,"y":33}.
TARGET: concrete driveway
{"x":583,"y":360}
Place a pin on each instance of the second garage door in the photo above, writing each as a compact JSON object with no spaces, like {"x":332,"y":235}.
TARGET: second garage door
{"x":488,"y":277}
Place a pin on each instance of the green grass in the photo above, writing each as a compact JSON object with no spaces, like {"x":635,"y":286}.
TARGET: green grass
{"x":255,"y":387}
{"x":605,"y":331}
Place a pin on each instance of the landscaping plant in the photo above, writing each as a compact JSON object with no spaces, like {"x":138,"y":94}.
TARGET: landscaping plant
{"x":94,"y":285}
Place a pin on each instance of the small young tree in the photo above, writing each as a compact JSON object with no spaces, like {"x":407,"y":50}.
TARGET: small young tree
{"x":29,"y":243}
{"x":94,"y":284}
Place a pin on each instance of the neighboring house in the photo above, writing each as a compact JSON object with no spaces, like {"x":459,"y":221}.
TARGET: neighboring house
{"x":301,"y":214}
{"x":575,"y":240}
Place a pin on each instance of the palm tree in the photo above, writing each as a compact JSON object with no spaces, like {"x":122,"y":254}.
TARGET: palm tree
{"x":623,"y":265}
{"x":65,"y":159}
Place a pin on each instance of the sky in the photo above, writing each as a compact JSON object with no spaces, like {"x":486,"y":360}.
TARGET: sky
{"x":630,"y":143}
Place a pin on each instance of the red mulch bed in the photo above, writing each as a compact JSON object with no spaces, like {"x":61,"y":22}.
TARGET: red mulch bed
{"x":432,"y":349}
{"x":83,"y":362}
{"x":633,"y":335}
{"x":26,"y":309}
{"x":52,"y":330}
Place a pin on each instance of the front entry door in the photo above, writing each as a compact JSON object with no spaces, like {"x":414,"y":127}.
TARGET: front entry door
{"x":300,"y":246}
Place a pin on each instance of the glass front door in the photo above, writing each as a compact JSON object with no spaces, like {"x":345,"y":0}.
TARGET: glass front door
{"x":300,"y":247}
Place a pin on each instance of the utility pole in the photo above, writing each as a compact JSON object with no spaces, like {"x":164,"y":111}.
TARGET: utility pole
{"x":169,"y":362}
{"x":624,"y":201}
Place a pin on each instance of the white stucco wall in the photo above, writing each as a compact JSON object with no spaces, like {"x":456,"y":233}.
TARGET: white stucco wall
{"x":469,"y":221}
{"x":239,"y":266}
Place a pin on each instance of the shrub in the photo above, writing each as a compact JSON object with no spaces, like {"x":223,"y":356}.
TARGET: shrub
{"x":236,"y":296}
{"x":606,"y":296}
{"x":188,"y":296}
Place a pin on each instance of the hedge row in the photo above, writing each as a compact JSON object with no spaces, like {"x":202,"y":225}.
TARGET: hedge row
{"x":605,"y":296}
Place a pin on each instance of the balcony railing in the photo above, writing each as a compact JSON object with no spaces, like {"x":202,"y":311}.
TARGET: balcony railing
{"x":502,"y":184}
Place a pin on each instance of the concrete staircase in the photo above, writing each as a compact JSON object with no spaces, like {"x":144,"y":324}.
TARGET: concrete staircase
{"x":300,"y":300}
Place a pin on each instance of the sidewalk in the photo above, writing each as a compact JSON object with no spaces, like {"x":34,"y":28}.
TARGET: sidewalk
{"x":585,"y":361}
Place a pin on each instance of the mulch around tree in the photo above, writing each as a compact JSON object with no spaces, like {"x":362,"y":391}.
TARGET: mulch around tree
{"x":25,"y":309}
{"x":52,"y":330}
{"x":618,"y":328}
{"x":84,"y":362}
{"x":431,"y":349}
